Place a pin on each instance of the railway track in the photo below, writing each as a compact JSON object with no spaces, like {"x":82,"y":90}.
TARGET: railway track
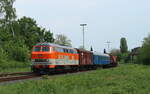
{"x":17,"y":76}
{"x":16,"y":73}
{"x":27,"y":75}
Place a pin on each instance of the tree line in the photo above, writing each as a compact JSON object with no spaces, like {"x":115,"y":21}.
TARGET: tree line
{"x":138,"y":55}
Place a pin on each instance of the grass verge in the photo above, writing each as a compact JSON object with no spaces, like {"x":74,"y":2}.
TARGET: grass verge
{"x":14,"y":66}
{"x":125,"y":79}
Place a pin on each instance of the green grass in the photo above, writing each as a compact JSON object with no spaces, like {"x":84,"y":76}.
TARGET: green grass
{"x":125,"y":79}
{"x":12,"y":70}
{"x":14,"y":66}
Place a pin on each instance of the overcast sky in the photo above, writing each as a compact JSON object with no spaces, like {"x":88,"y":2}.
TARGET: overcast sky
{"x":107,"y":20}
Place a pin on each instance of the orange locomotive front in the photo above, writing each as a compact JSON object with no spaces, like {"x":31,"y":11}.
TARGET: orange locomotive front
{"x":49,"y":57}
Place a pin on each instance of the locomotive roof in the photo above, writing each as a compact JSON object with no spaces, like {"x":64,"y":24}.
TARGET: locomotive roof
{"x":100,"y":54}
{"x":52,"y":44}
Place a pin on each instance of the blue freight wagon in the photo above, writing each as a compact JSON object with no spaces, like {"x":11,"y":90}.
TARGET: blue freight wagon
{"x":100,"y":59}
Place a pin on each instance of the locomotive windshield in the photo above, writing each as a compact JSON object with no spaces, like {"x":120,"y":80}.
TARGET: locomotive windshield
{"x":37,"y":49}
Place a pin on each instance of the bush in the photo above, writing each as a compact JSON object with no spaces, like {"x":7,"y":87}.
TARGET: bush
{"x":3,"y":55}
{"x":17,"y":51}
{"x":13,"y":64}
{"x":20,"y":53}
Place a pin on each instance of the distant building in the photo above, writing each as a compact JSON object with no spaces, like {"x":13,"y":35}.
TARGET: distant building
{"x":134,"y":52}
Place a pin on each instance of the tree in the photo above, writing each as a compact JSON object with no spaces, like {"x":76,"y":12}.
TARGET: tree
{"x":123,"y":45}
{"x":144,"y":55}
{"x":62,"y":40}
{"x":48,"y":37}
{"x":7,"y":11}
{"x":32,"y":33}
{"x":29,"y":31}
{"x":7,"y":15}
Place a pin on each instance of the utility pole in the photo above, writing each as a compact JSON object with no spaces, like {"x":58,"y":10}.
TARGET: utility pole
{"x":108,"y":43}
{"x":83,"y":25}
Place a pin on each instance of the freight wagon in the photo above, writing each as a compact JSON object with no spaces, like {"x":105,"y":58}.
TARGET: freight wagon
{"x":101,"y":59}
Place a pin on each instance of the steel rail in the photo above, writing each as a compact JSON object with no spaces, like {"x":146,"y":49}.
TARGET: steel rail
{"x":4,"y":79}
{"x":16,"y":73}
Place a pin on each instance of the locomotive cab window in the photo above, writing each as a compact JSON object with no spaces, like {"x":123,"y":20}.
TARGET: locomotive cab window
{"x":45,"y":49}
{"x":71,"y":51}
{"x":59,"y":49}
{"x":66,"y":50}
{"x":37,"y":49}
